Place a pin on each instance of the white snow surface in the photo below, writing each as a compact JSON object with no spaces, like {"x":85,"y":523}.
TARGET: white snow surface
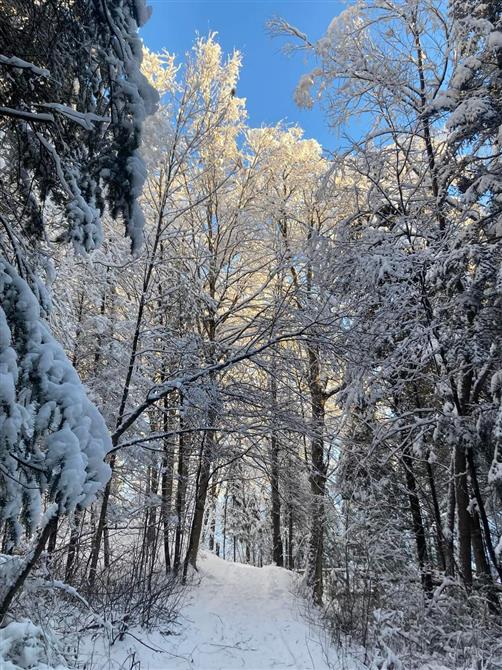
{"x":238,"y":616}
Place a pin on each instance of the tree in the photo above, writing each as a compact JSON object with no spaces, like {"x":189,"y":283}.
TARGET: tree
{"x":416,"y":262}
{"x":73,"y":104}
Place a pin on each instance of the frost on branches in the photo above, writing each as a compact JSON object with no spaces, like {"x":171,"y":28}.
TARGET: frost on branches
{"x":73,"y":101}
{"x":73,"y":104}
{"x":53,"y":440}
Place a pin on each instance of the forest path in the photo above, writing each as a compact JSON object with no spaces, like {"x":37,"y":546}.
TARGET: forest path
{"x":245,"y":617}
{"x":236,"y":616}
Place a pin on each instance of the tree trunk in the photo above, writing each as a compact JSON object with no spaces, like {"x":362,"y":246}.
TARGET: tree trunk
{"x":200,"y":503}
{"x":291,"y":563}
{"x":71,"y":559}
{"x":96,"y":545}
{"x":482,"y":566}
{"x":167,"y":481}
{"x":51,"y":544}
{"x":212,"y":515}
{"x":449,"y":544}
{"x":106,"y":546}
{"x":440,"y":539}
{"x":277,"y":549}
{"x":318,"y":470}
{"x":482,"y":513}
{"x":29,"y":563}
{"x":225,"y":512}
{"x":418,"y":526}
{"x":180,"y":492}
{"x":463,"y":517}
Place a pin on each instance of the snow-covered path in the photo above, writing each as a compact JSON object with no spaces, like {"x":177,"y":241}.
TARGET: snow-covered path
{"x":246,"y":617}
{"x":237,"y":617}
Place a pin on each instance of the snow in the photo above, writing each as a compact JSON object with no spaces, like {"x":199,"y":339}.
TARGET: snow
{"x":46,"y":419}
{"x":84,"y":119}
{"x":469,"y":111}
{"x":14,"y":61}
{"x":495,"y":40}
{"x":498,"y":548}
{"x":303,"y":93}
{"x":23,"y":646}
{"x":238,"y":616}
{"x":143,"y":12}
{"x":496,"y":384}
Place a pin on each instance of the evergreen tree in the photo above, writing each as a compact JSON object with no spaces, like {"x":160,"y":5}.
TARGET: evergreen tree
{"x":73,"y":102}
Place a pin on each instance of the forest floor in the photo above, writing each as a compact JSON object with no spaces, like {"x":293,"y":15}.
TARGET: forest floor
{"x":237,"y":616}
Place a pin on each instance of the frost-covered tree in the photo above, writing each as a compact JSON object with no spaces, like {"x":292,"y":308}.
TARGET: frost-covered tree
{"x":292,"y":170}
{"x":474,"y":103}
{"x":226,"y":213}
{"x":417,"y":262}
{"x":73,"y":102}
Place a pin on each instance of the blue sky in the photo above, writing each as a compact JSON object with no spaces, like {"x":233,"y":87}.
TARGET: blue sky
{"x":268,"y":77}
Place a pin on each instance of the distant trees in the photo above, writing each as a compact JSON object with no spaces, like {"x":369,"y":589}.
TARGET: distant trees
{"x":189,"y":339}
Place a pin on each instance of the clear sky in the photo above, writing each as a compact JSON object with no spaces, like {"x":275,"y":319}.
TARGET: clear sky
{"x":268,"y":77}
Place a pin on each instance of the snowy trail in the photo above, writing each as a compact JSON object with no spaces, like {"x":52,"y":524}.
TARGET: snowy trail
{"x":238,"y":616}
{"x":246,"y":617}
